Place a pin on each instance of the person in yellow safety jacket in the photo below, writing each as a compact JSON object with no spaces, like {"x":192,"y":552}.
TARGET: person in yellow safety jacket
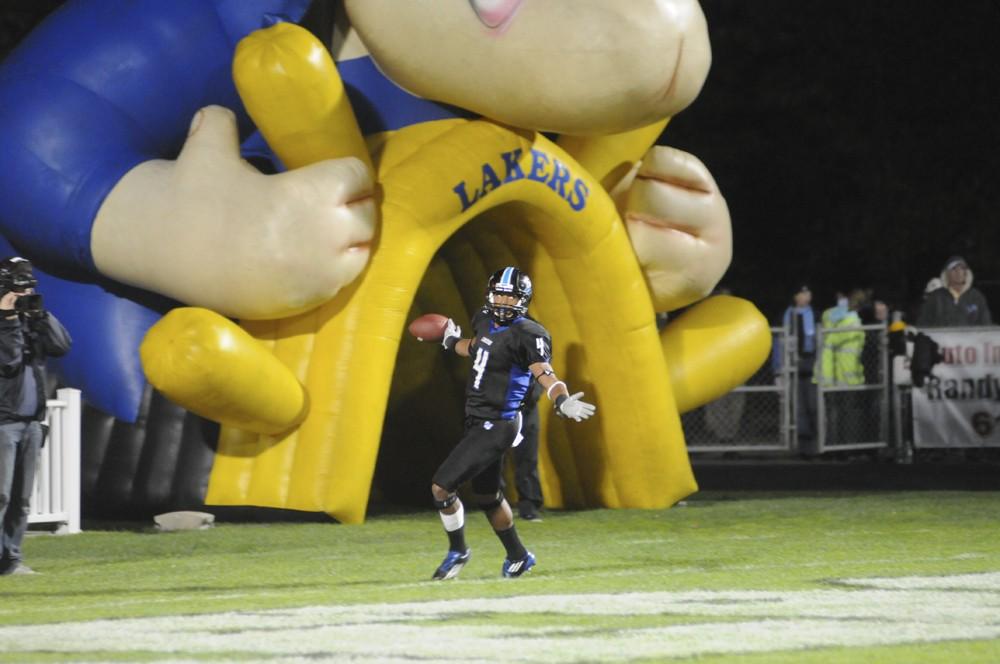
{"x":839,"y":361}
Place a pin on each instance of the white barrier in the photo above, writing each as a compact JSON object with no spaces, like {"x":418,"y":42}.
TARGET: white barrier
{"x":958,"y":405}
{"x":56,"y":496}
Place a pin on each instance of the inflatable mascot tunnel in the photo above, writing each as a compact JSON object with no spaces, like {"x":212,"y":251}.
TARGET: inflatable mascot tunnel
{"x":431,"y":142}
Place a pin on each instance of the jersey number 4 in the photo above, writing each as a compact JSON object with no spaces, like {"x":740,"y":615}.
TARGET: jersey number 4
{"x":482,"y":357}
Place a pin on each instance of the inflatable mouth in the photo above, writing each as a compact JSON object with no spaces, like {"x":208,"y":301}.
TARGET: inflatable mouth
{"x":495,"y":14}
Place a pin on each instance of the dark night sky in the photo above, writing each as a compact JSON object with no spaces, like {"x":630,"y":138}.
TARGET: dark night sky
{"x":855,"y":142}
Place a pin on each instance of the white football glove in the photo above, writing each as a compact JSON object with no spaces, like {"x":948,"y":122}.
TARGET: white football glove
{"x":452,"y":334}
{"x":573,"y":408}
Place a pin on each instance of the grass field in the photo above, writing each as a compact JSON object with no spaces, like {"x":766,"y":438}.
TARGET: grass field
{"x":882,"y":577}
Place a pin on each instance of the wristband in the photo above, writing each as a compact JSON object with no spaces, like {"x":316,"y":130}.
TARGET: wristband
{"x":559,"y":401}
{"x":548,"y":392}
{"x":450,"y":343}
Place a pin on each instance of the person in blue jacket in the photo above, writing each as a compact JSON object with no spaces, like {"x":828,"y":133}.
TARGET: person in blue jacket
{"x":799,"y":321}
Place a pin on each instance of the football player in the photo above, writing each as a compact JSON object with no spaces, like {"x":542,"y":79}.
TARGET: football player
{"x":507,"y":349}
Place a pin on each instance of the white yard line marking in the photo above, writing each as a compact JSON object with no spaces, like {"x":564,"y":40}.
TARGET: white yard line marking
{"x":881,"y":611}
{"x":644,"y":573}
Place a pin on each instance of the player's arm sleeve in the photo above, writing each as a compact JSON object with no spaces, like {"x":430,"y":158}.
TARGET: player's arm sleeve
{"x":536,"y":347}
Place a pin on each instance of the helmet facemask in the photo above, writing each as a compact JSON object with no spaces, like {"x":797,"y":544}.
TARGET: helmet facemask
{"x":505,"y":313}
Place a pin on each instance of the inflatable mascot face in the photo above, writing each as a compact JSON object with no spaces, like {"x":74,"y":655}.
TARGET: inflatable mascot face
{"x":431,"y":118}
{"x":583,"y":67}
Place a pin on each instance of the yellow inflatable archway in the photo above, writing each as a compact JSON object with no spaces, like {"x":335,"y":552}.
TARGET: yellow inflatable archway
{"x":547,"y":211}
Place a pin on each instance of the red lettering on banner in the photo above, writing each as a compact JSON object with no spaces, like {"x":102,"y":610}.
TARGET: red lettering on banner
{"x":959,"y":355}
{"x":991,"y":353}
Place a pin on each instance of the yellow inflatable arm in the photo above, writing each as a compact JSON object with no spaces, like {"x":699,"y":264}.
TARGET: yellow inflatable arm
{"x":714,"y":347}
{"x":206,"y":363}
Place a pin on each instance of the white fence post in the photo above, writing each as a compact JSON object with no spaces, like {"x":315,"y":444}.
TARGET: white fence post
{"x":71,"y":457}
{"x":56,"y":495}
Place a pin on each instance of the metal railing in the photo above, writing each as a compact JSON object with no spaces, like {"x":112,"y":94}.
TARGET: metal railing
{"x":55,"y":501}
{"x":856,"y":416}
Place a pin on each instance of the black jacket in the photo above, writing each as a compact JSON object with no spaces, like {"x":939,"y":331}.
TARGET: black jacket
{"x":941,"y":309}
{"x":24,"y":345}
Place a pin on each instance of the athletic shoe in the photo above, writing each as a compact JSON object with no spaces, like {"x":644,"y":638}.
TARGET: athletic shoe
{"x":514,"y":568}
{"x":21,"y":568}
{"x":452,"y":565}
{"x":529,"y":513}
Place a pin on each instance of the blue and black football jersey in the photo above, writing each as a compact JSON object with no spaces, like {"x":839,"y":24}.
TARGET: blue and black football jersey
{"x":499,"y":377}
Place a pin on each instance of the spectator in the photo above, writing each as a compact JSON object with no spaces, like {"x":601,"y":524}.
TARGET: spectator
{"x":529,"y":486}
{"x":840,"y":365}
{"x":956,"y":303}
{"x":799,"y":320}
{"x":840,"y":362}
{"x":873,"y":312}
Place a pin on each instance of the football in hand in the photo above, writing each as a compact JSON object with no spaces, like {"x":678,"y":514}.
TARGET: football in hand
{"x":429,"y":327}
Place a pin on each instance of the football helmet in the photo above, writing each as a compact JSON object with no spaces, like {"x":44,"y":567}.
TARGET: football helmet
{"x":512,"y":282}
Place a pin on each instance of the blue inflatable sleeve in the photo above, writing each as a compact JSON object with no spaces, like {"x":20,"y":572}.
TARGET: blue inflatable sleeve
{"x":99,"y":87}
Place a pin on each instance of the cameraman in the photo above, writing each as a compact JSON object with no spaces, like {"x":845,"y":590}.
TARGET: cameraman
{"x":28,"y":334}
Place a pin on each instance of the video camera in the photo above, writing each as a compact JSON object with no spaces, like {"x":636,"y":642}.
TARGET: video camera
{"x":30,"y":305}
{"x":16,"y":277}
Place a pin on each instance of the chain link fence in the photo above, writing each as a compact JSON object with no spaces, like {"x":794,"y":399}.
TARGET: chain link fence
{"x":786,"y":408}
{"x":853,"y":406}
{"x":756,"y":416}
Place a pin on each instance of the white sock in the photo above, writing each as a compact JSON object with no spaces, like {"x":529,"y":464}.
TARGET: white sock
{"x":455,"y":520}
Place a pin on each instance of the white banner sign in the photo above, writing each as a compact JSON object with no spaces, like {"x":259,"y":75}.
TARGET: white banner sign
{"x":959,"y":405}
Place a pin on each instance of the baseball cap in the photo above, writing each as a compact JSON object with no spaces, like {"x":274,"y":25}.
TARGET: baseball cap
{"x":955,"y":261}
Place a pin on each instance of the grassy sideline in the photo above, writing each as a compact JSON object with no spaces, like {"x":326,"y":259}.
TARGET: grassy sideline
{"x":717,"y":542}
